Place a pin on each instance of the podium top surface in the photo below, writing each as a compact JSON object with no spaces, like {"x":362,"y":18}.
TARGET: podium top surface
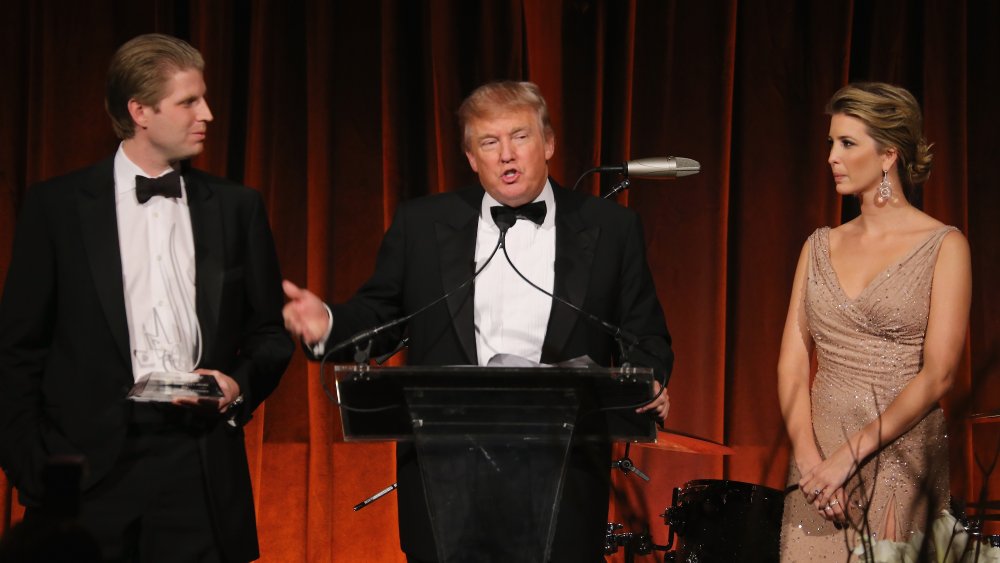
{"x":625,"y":374}
{"x":385,"y":403}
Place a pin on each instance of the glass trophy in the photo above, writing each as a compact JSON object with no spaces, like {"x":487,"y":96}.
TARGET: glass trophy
{"x":167,"y":387}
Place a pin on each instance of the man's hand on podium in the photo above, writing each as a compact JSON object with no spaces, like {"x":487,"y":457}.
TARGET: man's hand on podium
{"x":659,"y":406}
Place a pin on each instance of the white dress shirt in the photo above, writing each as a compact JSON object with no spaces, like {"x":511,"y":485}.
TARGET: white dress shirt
{"x":158,"y":270}
{"x":511,"y":317}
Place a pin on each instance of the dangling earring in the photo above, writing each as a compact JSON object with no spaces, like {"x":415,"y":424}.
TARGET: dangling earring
{"x":884,"y":188}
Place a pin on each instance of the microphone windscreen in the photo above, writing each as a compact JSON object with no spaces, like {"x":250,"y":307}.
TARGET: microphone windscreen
{"x":687,"y":166}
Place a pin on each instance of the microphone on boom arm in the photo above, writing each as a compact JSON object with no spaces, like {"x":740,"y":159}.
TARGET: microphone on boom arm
{"x":653,"y":168}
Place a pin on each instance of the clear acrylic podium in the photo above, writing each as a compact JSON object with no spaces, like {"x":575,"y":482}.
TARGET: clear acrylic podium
{"x":493,"y":443}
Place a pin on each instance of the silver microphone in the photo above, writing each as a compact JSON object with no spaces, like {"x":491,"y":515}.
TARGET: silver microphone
{"x":662,"y":167}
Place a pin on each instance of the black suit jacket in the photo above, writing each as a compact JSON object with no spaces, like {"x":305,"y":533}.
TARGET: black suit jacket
{"x":600,"y":266}
{"x":65,"y":363}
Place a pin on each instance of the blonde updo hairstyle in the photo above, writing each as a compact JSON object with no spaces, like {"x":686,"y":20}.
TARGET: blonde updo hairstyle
{"x":892,"y":117}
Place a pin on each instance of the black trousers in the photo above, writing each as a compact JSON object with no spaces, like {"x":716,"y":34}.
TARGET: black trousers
{"x":153,"y":506}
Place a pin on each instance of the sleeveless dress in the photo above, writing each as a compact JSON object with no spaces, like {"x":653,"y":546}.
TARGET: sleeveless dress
{"x":867,"y":349}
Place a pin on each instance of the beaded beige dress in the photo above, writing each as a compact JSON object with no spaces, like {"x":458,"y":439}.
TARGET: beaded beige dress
{"x":867,"y":349}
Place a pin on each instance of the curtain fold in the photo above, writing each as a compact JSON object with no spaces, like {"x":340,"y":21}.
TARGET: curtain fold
{"x":338,"y":111}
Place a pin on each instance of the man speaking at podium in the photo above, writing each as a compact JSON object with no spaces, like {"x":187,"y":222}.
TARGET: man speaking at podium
{"x":586,"y":250}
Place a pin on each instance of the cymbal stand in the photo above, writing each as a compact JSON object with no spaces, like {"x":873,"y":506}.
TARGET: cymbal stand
{"x":626,"y":466}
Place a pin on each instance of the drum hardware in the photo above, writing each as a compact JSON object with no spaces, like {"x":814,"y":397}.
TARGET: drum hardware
{"x":974,"y":523}
{"x":673,"y":441}
{"x":724,"y":522}
{"x":983,"y":541}
{"x":985,"y":417}
{"x":673,"y":517}
{"x":993,"y":540}
{"x":634,"y":544}
{"x":625,"y":465}
{"x":642,"y":544}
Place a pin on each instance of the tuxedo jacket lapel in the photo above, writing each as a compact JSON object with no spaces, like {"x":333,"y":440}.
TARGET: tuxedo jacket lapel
{"x":209,"y":252}
{"x":575,"y":245}
{"x":456,"y":238}
{"x":99,"y":223}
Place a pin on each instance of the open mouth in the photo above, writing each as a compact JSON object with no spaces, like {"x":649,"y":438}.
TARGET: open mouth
{"x":510,"y":175}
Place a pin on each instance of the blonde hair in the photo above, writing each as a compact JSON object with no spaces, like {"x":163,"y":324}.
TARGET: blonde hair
{"x":892,"y":117}
{"x":494,"y":98}
{"x":139,"y":70}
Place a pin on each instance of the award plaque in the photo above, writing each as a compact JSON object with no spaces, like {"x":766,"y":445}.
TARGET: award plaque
{"x":166,"y":387}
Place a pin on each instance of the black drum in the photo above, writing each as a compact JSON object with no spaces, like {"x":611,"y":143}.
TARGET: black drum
{"x":725,"y":522}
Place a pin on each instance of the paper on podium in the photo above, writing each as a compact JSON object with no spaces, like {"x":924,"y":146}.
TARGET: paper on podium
{"x":164,"y":387}
{"x":515,"y":361}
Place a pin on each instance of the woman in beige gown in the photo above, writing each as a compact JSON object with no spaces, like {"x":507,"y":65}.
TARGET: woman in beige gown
{"x":884,"y":302}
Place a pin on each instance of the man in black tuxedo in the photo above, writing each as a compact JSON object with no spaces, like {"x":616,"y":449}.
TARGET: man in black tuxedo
{"x":115,"y":275}
{"x":586,"y":250}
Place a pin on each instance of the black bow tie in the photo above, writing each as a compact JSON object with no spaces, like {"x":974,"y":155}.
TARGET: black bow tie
{"x":168,"y":185}
{"x":505,"y":216}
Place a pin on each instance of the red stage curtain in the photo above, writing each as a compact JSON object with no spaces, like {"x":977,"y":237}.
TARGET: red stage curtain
{"x":336,"y":111}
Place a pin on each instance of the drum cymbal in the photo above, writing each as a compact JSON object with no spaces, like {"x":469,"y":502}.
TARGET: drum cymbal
{"x":673,"y":441}
{"x":985,"y":417}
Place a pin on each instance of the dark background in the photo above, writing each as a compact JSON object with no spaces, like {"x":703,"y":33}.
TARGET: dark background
{"x":338,"y":110}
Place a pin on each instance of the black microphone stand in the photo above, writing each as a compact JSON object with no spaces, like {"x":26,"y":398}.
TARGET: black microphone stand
{"x":385,"y":357}
{"x":622,"y":185}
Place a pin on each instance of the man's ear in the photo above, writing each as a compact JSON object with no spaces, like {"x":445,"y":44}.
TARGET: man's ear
{"x":139,"y":112}
{"x":472,"y":161}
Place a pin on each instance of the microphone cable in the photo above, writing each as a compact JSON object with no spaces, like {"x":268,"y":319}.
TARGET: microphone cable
{"x":372,"y":333}
{"x":616,"y":332}
{"x":605,"y":168}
